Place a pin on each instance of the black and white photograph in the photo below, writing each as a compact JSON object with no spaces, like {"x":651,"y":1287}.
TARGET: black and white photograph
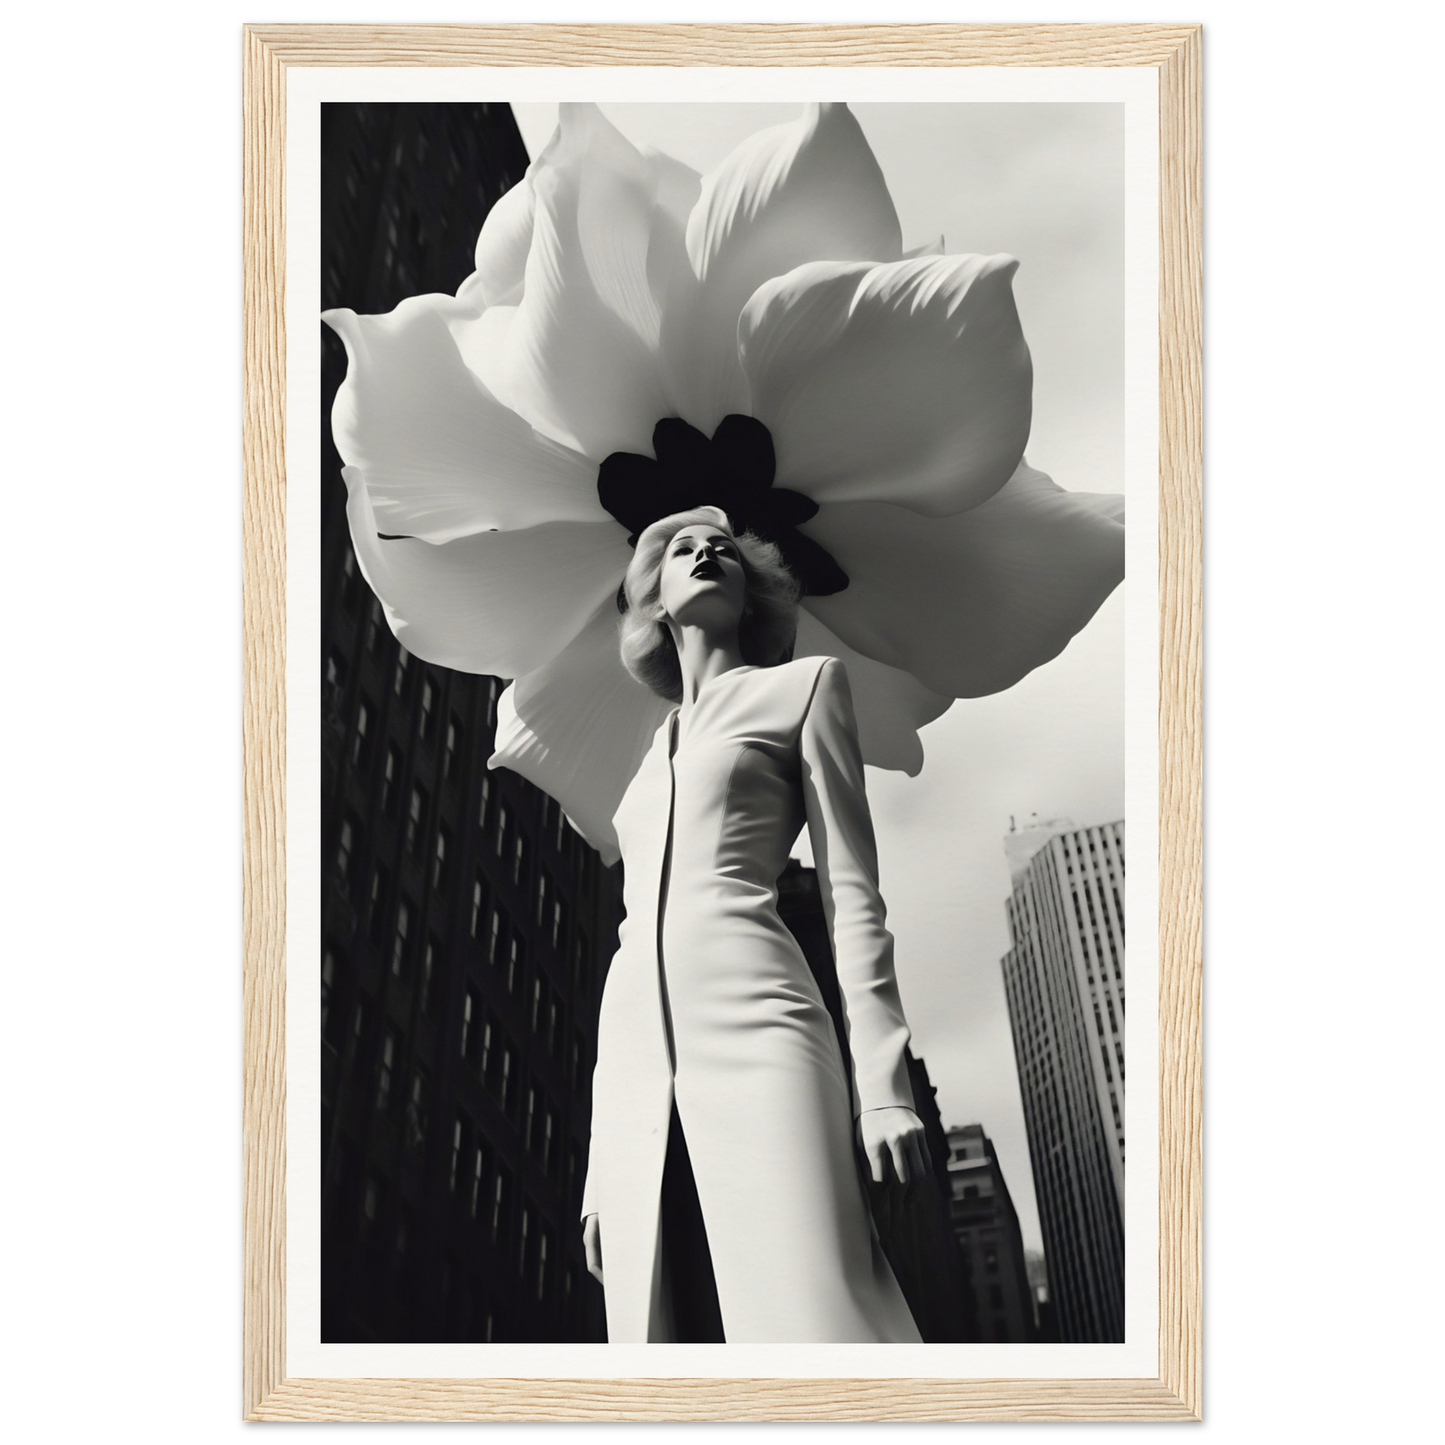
{"x":722,"y":816}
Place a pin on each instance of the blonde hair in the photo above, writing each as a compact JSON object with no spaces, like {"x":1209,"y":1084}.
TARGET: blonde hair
{"x":770,"y":617}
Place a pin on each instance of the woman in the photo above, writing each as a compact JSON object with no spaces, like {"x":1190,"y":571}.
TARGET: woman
{"x":724,"y":1116}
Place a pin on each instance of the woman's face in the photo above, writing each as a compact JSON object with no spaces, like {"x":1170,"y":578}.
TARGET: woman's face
{"x":703,"y":583}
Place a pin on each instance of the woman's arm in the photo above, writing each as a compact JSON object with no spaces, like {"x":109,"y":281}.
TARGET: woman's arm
{"x":846,"y":856}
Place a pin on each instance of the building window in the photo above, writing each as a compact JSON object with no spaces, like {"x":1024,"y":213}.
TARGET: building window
{"x":398,"y":944}
{"x":373,"y":626}
{"x":485,"y":1056}
{"x":428,"y":700}
{"x":479,"y":1172}
{"x":519,"y":859}
{"x":524,"y":1240}
{"x":417,"y":1109}
{"x":491,"y":702}
{"x":402,"y":675}
{"x":388,"y":1062}
{"x":549,"y":1131}
{"x":439,"y":858}
{"x":556,"y":925}
{"x":343,"y":850}
{"x":379,"y":880}
{"x":990,"y":1259}
{"x":454,"y":739}
{"x":490,"y":1060}
{"x":504,"y":829}
{"x":516,"y":964}
{"x":416,"y":811}
{"x":428,"y":977}
{"x":535,"y":1014}
{"x":479,"y":898}
{"x":469,"y":1007}
{"x":505,"y":1081}
{"x":543,"y":1261}
{"x":556,"y":1026}
{"x":494,"y":937}
{"x":501,"y":1205}
{"x":461,"y":1133}
{"x":390,"y":773}
{"x":484,"y":801}
{"x":529,"y":1125}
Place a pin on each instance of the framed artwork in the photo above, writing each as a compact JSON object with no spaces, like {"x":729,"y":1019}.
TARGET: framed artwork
{"x":939,"y":286}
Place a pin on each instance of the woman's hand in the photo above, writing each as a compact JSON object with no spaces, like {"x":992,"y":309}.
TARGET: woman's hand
{"x":893,"y":1144}
{"x":592,"y":1245}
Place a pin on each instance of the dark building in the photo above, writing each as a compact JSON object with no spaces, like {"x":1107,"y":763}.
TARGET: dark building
{"x":1064,"y":978}
{"x":916,"y":1232}
{"x":990,"y":1243}
{"x":466,"y":927}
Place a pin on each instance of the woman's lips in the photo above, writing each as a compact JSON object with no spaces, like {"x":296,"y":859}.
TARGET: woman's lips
{"x":708,"y":569}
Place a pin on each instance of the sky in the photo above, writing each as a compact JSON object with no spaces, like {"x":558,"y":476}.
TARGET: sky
{"x":1044,"y":183}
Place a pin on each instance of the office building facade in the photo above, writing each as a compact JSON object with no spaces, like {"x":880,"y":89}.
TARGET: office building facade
{"x":465,"y":926}
{"x":1064,"y":979}
{"x":990,"y":1243}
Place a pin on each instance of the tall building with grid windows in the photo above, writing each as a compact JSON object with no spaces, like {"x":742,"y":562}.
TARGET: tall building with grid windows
{"x":1064,"y":978}
{"x":465,"y":926}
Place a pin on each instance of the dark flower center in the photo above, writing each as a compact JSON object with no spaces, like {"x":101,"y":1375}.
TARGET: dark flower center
{"x":733,"y":471}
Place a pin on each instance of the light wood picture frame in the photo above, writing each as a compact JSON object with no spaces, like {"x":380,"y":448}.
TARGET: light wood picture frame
{"x":268,"y":1392}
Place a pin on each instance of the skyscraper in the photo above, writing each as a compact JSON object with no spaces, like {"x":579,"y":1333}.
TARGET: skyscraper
{"x":990,"y":1243}
{"x":466,"y":927}
{"x":1064,"y":977}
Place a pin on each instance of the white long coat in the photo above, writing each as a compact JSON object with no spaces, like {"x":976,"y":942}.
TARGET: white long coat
{"x":710,"y":1002}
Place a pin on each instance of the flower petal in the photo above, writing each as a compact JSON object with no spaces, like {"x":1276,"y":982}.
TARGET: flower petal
{"x":810,"y":190}
{"x":908,"y":383}
{"x":495,"y":602}
{"x":442,"y":456}
{"x":890,"y":706}
{"x":971,"y":603}
{"x":482,"y":341}
{"x":502,"y":246}
{"x":581,"y":354}
{"x":578,"y":728}
{"x":677,"y":184}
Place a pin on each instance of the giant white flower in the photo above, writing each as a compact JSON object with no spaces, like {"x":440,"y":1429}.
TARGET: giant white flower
{"x":616,"y":289}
